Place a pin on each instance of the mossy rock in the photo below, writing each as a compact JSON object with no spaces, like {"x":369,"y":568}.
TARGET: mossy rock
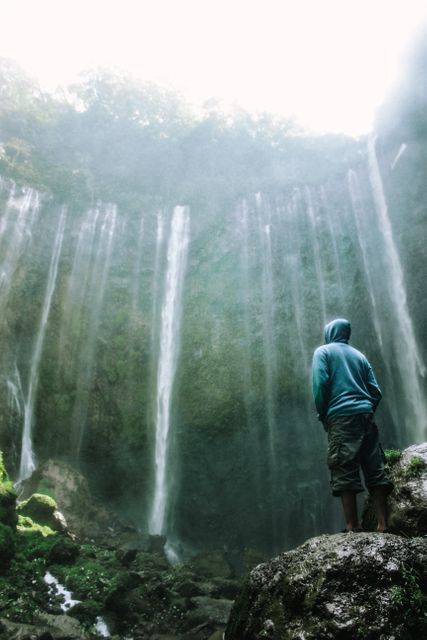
{"x":42,"y":510}
{"x":27,"y":525}
{"x":64,"y":551}
{"x":7,"y":547}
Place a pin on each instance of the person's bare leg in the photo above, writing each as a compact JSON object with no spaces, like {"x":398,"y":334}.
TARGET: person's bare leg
{"x":349,"y":505}
{"x":379,"y":500}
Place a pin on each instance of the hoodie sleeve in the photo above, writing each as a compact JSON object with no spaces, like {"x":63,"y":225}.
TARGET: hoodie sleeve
{"x":373,"y":388}
{"x":320,"y":373}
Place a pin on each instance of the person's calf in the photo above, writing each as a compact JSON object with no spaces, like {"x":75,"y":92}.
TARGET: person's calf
{"x":379,"y":501}
{"x":349,"y":505}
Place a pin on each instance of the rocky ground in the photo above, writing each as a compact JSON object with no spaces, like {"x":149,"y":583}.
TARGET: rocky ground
{"x":364,"y":586}
{"x":120,"y":580}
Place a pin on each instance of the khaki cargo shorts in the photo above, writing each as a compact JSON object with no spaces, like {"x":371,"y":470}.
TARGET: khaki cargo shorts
{"x":353,"y":445}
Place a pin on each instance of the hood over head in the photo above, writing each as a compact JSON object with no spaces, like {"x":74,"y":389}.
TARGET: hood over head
{"x":338,"y":330}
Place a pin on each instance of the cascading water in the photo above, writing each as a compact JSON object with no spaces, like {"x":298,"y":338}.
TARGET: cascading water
{"x":15,"y":232}
{"x":14,"y":397}
{"x":412,"y":367}
{"x":316,"y":252}
{"x":169,"y":339}
{"x":28,"y":464}
{"x":71,"y":324}
{"x":333,"y":240}
{"x":269,"y":351}
{"x":137,"y":269}
{"x":292,"y":273}
{"x":95,"y":293}
{"x":362,"y":236}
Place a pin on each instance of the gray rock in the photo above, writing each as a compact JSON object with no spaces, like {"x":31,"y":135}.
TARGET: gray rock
{"x":64,"y":551}
{"x":407,"y":505}
{"x":71,"y":491}
{"x":48,"y":628}
{"x":212,"y":564}
{"x":354,"y":586}
{"x":211,"y":610}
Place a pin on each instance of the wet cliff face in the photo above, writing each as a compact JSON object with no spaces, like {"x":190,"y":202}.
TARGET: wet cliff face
{"x":171,"y":362}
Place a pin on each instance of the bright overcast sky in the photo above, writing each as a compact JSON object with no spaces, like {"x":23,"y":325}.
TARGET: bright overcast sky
{"x":329,"y":62}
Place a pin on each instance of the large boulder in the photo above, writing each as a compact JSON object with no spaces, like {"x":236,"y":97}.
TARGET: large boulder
{"x":345,"y":586}
{"x":71,"y":492}
{"x":42,"y":509}
{"x":407,"y":505}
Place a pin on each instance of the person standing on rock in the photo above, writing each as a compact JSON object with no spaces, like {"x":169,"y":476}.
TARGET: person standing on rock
{"x":346,"y":395}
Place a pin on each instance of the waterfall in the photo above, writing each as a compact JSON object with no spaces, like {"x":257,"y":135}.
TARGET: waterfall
{"x":169,"y":336}
{"x":71,"y":324}
{"x":362,"y":230}
{"x":15,"y":396}
{"x":246,"y":301}
{"x":316,"y":253}
{"x":245,"y":295}
{"x":291,"y":263}
{"x":95,"y":291}
{"x":362,"y":236}
{"x":411,"y":365}
{"x":15,"y":231}
{"x":333,"y":240}
{"x":137,"y":268}
{"x":269,"y":351}
{"x":27,"y":464}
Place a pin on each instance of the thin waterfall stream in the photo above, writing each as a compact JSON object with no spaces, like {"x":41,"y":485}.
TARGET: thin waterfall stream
{"x":413,"y":368}
{"x":169,"y":337}
{"x":28,"y":463}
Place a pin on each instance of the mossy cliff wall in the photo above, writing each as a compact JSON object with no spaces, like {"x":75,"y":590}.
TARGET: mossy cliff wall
{"x":264,"y":271}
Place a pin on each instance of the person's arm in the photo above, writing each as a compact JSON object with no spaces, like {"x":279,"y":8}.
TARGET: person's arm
{"x":320,"y":373}
{"x":373,"y":388}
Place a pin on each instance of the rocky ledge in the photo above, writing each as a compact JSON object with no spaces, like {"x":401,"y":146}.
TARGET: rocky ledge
{"x":364,"y":586}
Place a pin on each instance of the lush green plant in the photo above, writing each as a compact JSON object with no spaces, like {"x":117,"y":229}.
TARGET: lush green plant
{"x":416,"y":467}
{"x":392,"y":456}
{"x":407,"y":596}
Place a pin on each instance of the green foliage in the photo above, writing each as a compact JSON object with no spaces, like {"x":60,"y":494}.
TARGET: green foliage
{"x":407,"y":597}
{"x":415,"y":468}
{"x":23,"y":592}
{"x":392,"y":456}
{"x":94,"y":575}
{"x":7,"y":546}
{"x":121,"y":140}
{"x":7,"y":497}
{"x":3,"y":473}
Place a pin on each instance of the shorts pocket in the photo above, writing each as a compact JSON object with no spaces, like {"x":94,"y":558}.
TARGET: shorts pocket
{"x":334,"y":451}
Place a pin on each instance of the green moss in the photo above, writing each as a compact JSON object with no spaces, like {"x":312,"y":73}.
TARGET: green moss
{"x":392,"y":456}
{"x":7,"y":546}
{"x":23,"y":593}
{"x":39,"y":508}
{"x":27,"y":525}
{"x":94,"y":575}
{"x":415,"y":468}
{"x":407,"y":597}
{"x":3,"y":473}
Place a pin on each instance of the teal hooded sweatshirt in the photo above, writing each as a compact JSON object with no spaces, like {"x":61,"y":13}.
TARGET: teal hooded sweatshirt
{"x":343,"y":381}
